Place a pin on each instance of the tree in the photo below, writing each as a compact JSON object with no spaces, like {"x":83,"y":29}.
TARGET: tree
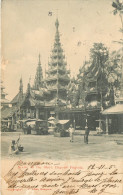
{"x":113,"y":69}
{"x":118,"y":9}
{"x":99,"y":54}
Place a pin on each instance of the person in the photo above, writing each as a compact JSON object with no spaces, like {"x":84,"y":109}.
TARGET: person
{"x":86,"y":135}
{"x":71,"y":131}
{"x":13,"y":148}
{"x":29,"y":129}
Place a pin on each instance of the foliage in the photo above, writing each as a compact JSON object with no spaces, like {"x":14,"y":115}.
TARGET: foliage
{"x":99,"y":54}
{"x":118,"y":7}
{"x":113,"y":69}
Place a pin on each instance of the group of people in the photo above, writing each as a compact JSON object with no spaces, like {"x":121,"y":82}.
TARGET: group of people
{"x":72,"y":130}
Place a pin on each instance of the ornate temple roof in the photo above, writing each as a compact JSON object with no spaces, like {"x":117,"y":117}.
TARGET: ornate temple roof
{"x":33,"y":96}
{"x":8,"y":112}
{"x":15,"y":99}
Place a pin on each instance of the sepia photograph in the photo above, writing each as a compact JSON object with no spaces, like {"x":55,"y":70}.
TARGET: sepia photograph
{"x":62,"y":92}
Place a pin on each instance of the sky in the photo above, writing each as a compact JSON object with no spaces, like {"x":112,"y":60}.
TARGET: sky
{"x":27,"y":30}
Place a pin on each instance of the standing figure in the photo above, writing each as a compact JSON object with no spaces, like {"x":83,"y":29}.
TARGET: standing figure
{"x":29,"y":129}
{"x":71,"y":131}
{"x":86,"y":135}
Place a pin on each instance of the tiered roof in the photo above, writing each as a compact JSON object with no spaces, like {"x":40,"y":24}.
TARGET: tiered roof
{"x":8,"y":112}
{"x":33,"y":97}
{"x":57,"y":74}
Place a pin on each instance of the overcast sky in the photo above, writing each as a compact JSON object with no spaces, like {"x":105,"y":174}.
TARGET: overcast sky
{"x":27,"y":30}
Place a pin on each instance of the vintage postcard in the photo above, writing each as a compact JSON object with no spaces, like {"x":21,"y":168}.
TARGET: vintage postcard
{"x":61,"y":97}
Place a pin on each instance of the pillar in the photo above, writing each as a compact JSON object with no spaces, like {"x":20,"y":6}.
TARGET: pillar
{"x":107,"y":129}
{"x":37,"y":113}
{"x":12,"y":121}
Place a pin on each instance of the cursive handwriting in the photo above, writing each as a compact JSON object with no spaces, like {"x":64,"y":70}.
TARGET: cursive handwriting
{"x":60,"y":179}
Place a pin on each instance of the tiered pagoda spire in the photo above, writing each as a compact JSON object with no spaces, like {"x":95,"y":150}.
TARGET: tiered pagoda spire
{"x":39,"y":76}
{"x":57,"y":75}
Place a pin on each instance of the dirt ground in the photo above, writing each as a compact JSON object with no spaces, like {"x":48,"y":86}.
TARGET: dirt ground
{"x":60,"y":148}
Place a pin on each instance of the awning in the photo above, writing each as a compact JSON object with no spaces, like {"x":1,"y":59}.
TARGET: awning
{"x":30,"y":123}
{"x":29,"y":120}
{"x":39,"y":120}
{"x":6,"y":121}
{"x":117,"y":109}
{"x":99,"y":120}
{"x":62,"y":122}
{"x":22,"y":120}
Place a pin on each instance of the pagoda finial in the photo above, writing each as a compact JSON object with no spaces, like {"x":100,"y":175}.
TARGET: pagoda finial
{"x":39,"y":59}
{"x":57,"y":23}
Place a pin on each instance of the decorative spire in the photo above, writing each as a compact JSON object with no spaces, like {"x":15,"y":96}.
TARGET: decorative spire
{"x":21,"y":86}
{"x":39,"y":63}
{"x":39,"y":76}
{"x":57,"y":24}
{"x":28,"y":88}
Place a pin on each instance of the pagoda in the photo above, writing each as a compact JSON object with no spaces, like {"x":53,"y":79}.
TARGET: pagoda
{"x":57,"y":75}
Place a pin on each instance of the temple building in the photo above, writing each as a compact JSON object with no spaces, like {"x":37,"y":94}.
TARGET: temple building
{"x":94,"y":94}
{"x":81,"y":100}
{"x":11,"y":114}
{"x":114,"y":114}
{"x":45,"y":96}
